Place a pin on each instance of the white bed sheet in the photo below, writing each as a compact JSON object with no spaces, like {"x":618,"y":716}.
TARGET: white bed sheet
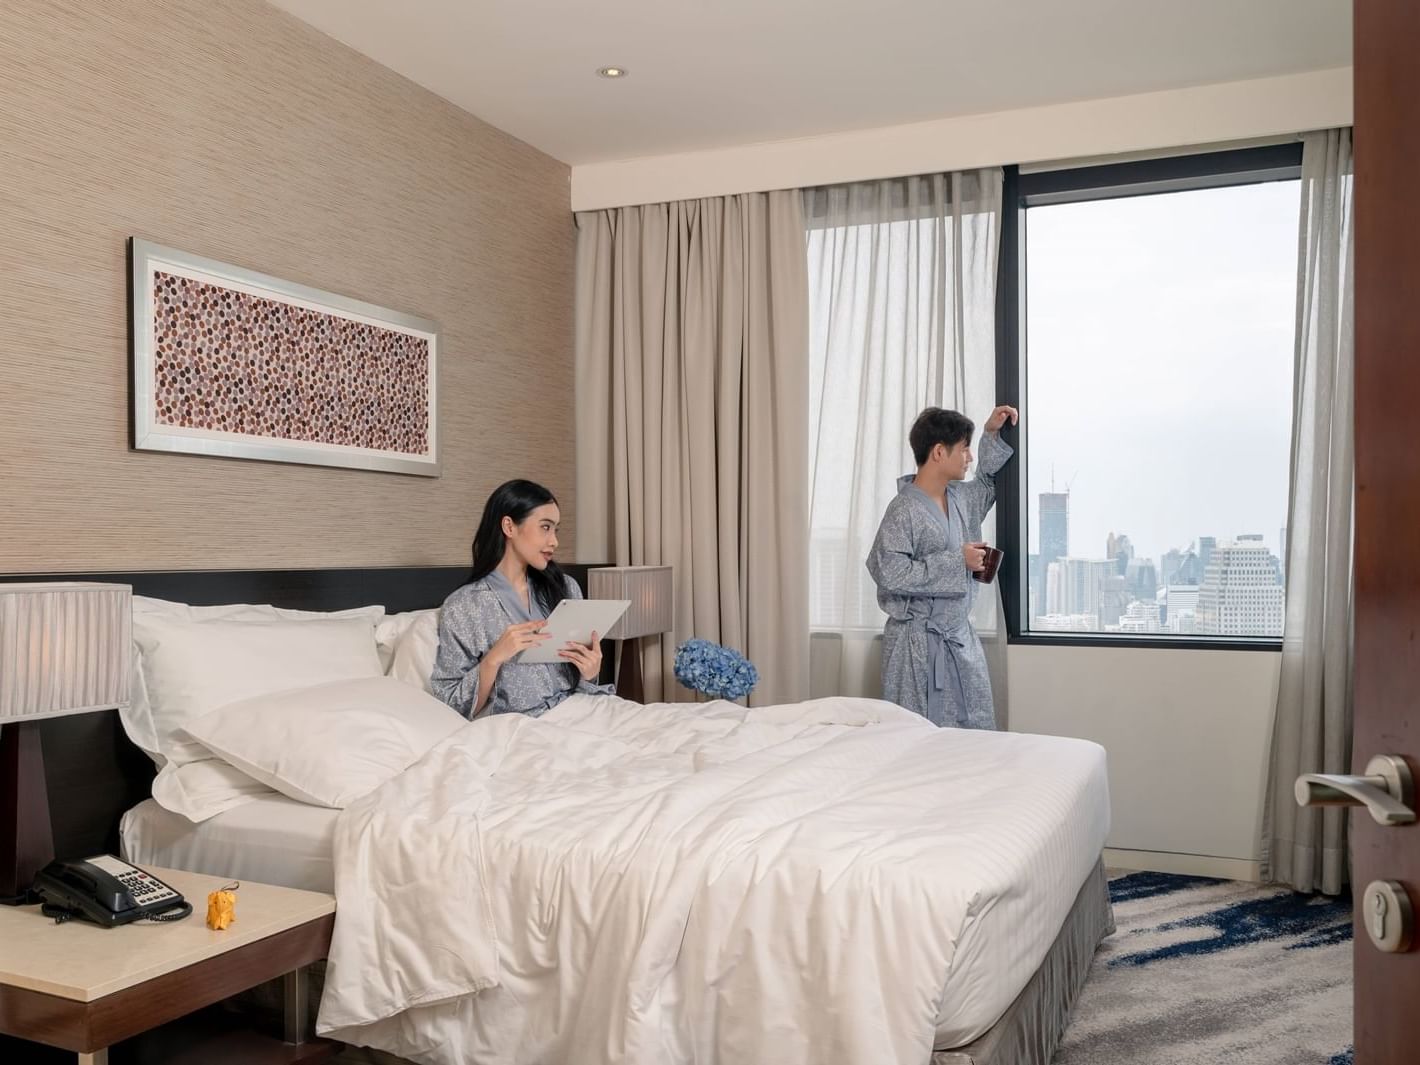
{"x":270,"y":840}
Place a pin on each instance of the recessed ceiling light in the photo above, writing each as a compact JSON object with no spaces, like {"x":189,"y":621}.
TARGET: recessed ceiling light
{"x":612,"y":72}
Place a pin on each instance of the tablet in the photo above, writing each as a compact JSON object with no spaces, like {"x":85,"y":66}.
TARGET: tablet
{"x":574,"y":621}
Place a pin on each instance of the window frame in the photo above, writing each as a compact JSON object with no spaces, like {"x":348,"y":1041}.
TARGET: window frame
{"x":1218,"y":169}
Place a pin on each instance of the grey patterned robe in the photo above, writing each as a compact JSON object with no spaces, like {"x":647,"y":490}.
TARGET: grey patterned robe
{"x":473,"y":619}
{"x":933,"y":662}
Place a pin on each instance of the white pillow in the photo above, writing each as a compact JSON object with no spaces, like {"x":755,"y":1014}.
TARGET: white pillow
{"x":391,"y":630}
{"x":408,"y":644}
{"x":199,"y":790}
{"x":192,"y":667}
{"x":143,"y":604}
{"x":330,"y":744}
{"x":137,"y":716}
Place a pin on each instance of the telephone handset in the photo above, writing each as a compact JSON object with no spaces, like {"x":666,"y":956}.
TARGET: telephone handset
{"x":106,"y":891}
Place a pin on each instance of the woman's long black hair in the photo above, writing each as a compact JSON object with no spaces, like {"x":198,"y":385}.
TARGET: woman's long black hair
{"x":516,"y":500}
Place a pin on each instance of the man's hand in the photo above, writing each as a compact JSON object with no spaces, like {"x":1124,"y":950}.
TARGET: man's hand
{"x":975,"y":553}
{"x":997,"y":418}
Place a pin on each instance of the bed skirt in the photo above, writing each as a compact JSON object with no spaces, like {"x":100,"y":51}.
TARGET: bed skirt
{"x":1033,"y":1025}
{"x":1027,"y":1033}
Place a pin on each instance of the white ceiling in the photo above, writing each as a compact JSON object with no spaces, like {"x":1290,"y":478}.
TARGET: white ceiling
{"x":715,"y":73}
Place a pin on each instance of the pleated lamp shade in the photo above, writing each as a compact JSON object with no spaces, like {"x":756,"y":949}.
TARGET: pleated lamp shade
{"x":64,"y":648}
{"x":651,"y":590}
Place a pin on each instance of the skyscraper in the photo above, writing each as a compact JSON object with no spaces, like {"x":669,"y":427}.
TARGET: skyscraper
{"x":1114,"y":599}
{"x":1170,"y":564}
{"x":1242,"y":593}
{"x":1055,"y":593}
{"x":1077,"y":586}
{"x":1141,"y":579}
{"x":1206,"y":546}
{"x":1054,"y":545}
{"x":1054,"y":527}
{"x":1120,"y":549}
{"x":1180,"y":608}
{"x":1180,"y":567}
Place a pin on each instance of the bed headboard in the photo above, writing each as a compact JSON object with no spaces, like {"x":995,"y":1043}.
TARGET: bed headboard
{"x":94,"y":773}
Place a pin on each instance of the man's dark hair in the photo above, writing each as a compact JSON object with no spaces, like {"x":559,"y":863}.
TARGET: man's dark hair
{"x":937,"y":426}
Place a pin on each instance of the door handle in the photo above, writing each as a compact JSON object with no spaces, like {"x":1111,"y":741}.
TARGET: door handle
{"x":1387,"y":790}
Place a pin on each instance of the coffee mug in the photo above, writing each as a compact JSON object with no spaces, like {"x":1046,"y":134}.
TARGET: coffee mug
{"x":993,"y":558}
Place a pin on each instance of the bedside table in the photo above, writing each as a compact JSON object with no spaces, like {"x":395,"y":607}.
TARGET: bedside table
{"x":84,"y":988}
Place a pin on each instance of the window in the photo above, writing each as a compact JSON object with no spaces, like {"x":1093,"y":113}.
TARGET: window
{"x":1153,"y":357}
{"x":902,"y":285}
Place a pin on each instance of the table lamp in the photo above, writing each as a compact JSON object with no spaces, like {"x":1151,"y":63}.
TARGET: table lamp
{"x":65,"y":648}
{"x":651,"y":590}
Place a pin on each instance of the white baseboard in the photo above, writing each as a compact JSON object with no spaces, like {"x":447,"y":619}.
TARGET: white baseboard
{"x":1185,"y":864}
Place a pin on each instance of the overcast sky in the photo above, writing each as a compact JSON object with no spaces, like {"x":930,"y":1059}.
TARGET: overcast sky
{"x":1159,"y":340}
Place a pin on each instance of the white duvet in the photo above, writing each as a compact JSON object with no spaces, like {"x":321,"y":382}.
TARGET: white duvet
{"x":828,"y":883}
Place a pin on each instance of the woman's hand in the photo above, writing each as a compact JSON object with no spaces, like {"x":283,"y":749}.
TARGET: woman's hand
{"x":587,"y":659}
{"x":515,"y":640}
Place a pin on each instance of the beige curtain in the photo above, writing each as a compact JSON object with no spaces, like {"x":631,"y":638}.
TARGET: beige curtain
{"x":1312,"y":729}
{"x":692,"y":421}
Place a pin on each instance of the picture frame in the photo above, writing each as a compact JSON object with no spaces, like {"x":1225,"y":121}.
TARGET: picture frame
{"x":238,"y":364}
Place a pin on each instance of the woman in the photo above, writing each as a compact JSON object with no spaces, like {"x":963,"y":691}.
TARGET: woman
{"x":502,"y":610}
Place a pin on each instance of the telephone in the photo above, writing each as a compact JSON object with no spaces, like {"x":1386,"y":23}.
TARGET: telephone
{"x":106,"y":891}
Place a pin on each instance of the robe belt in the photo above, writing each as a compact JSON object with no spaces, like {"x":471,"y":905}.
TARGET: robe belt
{"x":945,"y":639}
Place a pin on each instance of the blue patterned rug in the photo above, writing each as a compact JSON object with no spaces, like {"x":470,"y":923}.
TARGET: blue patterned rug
{"x":1207,"y":972}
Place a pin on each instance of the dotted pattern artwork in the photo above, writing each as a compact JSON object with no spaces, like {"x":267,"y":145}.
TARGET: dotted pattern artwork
{"x":231,"y":362}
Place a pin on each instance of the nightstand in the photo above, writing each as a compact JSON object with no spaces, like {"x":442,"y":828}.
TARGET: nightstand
{"x":84,"y":988}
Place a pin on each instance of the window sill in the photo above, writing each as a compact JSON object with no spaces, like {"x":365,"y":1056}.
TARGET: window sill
{"x":1157,"y":643}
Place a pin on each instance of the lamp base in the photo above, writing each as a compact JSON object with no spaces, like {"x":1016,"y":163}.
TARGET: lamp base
{"x":628,"y":673}
{"x":26,"y":839}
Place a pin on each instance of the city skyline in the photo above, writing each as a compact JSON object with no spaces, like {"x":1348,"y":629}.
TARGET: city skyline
{"x":1159,"y":362}
{"x":1214,"y":586}
{"x":1196,"y":541}
{"x":1078,"y":548}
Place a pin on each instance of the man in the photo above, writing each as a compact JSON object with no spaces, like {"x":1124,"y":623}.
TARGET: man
{"x":927,"y":548}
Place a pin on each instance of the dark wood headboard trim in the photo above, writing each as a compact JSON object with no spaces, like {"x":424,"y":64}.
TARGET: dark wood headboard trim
{"x":94,"y":774}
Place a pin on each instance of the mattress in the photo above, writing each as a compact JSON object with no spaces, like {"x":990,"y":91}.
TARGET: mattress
{"x":1030,"y":1030}
{"x":1033,"y":816}
{"x":271,"y":840}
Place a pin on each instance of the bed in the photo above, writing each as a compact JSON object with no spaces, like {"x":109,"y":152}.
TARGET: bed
{"x":1026,"y":921}
{"x":272,"y":840}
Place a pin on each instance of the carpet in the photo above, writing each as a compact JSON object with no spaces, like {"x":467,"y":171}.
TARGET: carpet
{"x":1207,"y":972}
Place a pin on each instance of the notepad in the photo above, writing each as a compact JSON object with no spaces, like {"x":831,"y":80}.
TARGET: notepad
{"x":574,"y":621}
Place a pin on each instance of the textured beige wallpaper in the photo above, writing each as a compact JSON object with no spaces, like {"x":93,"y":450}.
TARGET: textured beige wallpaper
{"x":229,"y":129}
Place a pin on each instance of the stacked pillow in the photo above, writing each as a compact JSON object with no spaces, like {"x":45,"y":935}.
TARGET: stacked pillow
{"x":330,"y":744}
{"x":234,"y":701}
{"x":408,"y":643}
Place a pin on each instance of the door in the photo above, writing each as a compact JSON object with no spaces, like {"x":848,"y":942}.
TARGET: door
{"x":1387,"y":606}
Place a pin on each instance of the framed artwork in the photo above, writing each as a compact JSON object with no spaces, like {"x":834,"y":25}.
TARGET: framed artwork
{"x":230,"y":362}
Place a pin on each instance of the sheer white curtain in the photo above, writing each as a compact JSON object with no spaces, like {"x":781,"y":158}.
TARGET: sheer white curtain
{"x":1312,"y":729}
{"x":902,"y":316}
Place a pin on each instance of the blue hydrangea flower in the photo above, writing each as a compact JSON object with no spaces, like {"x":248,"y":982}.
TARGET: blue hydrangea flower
{"x":708,"y":668}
